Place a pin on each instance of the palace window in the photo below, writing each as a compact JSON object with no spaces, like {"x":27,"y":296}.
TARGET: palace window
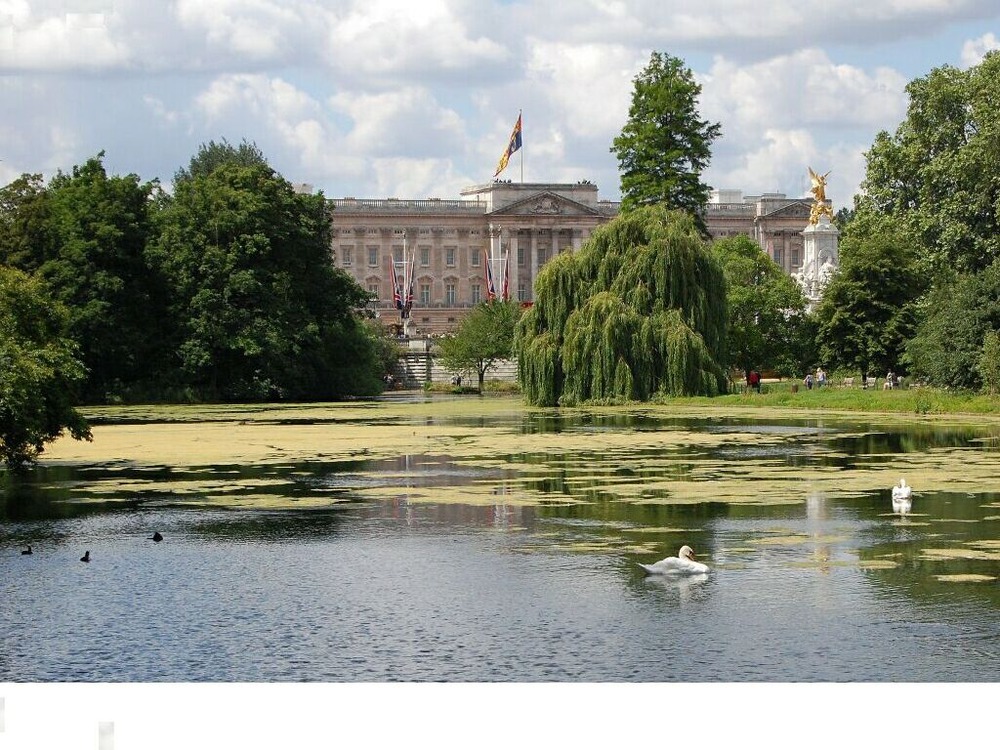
{"x":425,"y":256}
{"x":449,"y":256}
{"x":425,"y":294}
{"x":477,"y":294}
{"x":520,"y":256}
{"x":449,"y":294}
{"x":346,"y":255}
{"x":372,"y":255}
{"x":397,"y":253}
{"x":522,"y":292}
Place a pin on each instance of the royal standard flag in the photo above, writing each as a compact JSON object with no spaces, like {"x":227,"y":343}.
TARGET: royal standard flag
{"x":514,"y":145}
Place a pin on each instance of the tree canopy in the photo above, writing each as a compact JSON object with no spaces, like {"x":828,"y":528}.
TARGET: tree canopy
{"x":639,"y":310}
{"x":259,"y":309}
{"x":39,"y":371}
{"x":222,"y":290}
{"x":766,"y":309}
{"x":957,"y":316}
{"x":934,"y":179}
{"x":664,"y":145}
{"x":86,"y":235}
{"x":483,"y":338}
{"x":870,"y":306}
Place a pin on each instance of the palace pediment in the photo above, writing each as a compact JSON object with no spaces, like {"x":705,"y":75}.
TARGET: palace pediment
{"x":545,"y":204}
{"x":794,"y":210}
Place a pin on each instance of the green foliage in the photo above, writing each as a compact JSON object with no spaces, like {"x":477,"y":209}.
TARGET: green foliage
{"x":989,"y":363}
{"x":28,"y":234}
{"x":935,"y":177}
{"x":958,"y":315}
{"x":905,"y":401}
{"x":386,"y":347}
{"x":260,"y":310}
{"x":665,"y":146}
{"x":483,"y":338}
{"x":86,"y":235}
{"x":38,"y":371}
{"x":869,"y":308}
{"x":213,"y":155}
{"x":766,"y":309}
{"x":640,"y":309}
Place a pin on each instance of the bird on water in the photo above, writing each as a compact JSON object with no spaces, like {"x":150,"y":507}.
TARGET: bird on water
{"x":157,"y":536}
{"x":26,"y":551}
{"x":683,"y":564}
{"x":86,"y":557}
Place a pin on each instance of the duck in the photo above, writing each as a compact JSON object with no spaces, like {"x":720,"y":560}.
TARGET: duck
{"x":157,"y":536}
{"x":86,"y":557}
{"x":901,"y":492}
{"x":683,"y":564}
{"x":27,"y":551}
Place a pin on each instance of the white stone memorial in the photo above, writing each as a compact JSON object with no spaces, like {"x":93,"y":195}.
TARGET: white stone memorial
{"x":820,"y":253}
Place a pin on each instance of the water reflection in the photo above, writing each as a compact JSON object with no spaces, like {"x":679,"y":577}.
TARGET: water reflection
{"x":511,"y":553}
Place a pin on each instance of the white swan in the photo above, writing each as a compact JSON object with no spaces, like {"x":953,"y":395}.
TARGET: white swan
{"x":683,"y":564}
{"x":901,"y":492}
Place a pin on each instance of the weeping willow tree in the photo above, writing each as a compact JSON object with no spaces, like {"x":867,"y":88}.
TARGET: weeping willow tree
{"x":638,"y":311}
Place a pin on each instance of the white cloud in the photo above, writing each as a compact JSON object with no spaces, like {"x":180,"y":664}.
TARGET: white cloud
{"x":590,"y":85}
{"x":803,"y":88}
{"x":252,"y":30}
{"x":60,"y":42}
{"x":404,"y":122}
{"x":406,"y":39}
{"x":417,"y":178}
{"x":385,"y":97}
{"x":784,"y":114}
{"x":974,"y":50}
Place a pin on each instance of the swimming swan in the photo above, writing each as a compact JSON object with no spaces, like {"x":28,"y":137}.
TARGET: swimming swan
{"x":901,"y":492}
{"x":86,"y":557}
{"x":26,"y":551}
{"x":683,"y":564}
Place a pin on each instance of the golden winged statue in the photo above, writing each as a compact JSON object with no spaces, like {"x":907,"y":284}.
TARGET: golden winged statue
{"x":819,"y":206}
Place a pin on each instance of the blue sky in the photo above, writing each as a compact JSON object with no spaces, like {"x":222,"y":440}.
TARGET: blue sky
{"x":397,"y":98}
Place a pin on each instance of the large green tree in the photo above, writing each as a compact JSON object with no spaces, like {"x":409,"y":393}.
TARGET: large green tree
{"x":39,"y":371}
{"x":665,"y":145}
{"x":766,"y":309}
{"x":639,"y":310}
{"x":948,"y":344}
{"x":482,"y":339}
{"x":28,"y":233}
{"x":935,"y":177}
{"x":261,"y":312}
{"x":869,"y":307}
{"x":86,"y":235}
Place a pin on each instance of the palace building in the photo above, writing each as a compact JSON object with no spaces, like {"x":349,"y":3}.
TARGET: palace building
{"x":442,"y":243}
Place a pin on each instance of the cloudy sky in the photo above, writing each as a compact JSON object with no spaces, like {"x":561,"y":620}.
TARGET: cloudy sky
{"x":417,"y":98}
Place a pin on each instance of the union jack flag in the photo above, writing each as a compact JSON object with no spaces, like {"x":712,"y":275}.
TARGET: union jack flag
{"x":397,"y":295}
{"x":491,"y":290}
{"x":505,"y":285}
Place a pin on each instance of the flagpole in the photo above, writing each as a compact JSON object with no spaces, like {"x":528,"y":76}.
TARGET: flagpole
{"x":519,"y":112}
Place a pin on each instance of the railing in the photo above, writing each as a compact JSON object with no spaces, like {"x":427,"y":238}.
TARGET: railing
{"x":388,"y":205}
{"x":748,"y":209}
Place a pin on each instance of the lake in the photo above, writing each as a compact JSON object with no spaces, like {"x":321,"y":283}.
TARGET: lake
{"x":476,"y":540}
